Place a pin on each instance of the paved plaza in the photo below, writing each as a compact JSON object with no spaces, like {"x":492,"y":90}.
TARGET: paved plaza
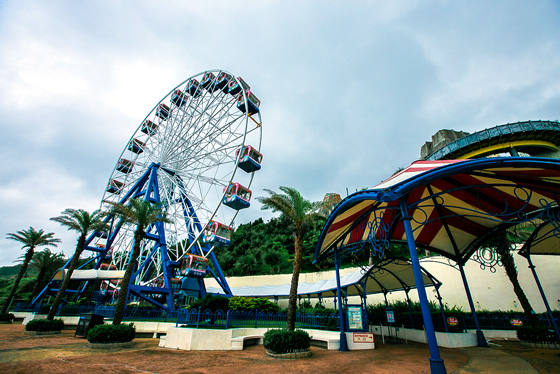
{"x":20,"y":353}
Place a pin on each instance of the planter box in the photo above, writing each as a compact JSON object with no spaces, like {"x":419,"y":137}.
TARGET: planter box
{"x":111,"y":345}
{"x":38,"y":333}
{"x":303,"y":354}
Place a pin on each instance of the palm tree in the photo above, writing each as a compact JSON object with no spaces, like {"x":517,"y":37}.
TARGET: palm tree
{"x":142,"y":214}
{"x":30,"y":239}
{"x":45,"y":262}
{"x":501,"y":243}
{"x":84,"y":223}
{"x":301,"y":213}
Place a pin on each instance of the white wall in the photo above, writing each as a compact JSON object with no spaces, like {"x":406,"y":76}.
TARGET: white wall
{"x":489,"y":290}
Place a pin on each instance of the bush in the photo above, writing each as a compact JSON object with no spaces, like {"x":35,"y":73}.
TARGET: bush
{"x":536,"y":334}
{"x":111,"y":333}
{"x":283,"y":341}
{"x":56,"y":324}
{"x":211,"y":302}
{"x":250,"y":304}
{"x":7,"y":317}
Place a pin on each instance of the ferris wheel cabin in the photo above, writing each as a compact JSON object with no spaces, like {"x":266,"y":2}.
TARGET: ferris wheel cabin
{"x":253,"y":103}
{"x":136,"y":146}
{"x":217,"y":234}
{"x":195,"y":266}
{"x":125,"y":166}
{"x":162,"y":111}
{"x":237,"y":85}
{"x":114,"y":186}
{"x":148,"y":127}
{"x":193,"y":88}
{"x":222,"y":82}
{"x":209,"y":82}
{"x":179,"y":98}
{"x":249,"y":158}
{"x":237,"y":196}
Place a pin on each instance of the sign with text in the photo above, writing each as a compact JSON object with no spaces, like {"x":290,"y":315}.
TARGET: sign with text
{"x":362,"y":337}
{"x":452,"y":321}
{"x":355,"y":320}
{"x":390,"y":315}
{"x":516,"y":322}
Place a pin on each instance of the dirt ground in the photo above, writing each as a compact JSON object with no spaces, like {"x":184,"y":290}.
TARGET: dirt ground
{"x":20,"y":353}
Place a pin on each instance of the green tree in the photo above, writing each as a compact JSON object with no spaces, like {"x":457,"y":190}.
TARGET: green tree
{"x":30,"y":239}
{"x":302,"y":214}
{"x":45,"y":262}
{"x":83,"y":223}
{"x":140,"y":213}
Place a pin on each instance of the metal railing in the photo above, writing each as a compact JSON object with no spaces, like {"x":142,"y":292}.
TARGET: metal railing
{"x":199,"y":318}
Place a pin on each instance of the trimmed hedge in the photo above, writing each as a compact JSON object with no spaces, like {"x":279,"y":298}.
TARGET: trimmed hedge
{"x":250,"y":304}
{"x":56,"y":324}
{"x":111,"y":333}
{"x":536,"y":334}
{"x":212,"y":302}
{"x":280,"y":341}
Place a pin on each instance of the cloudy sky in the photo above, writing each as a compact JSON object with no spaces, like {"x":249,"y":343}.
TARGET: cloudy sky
{"x":350,"y":90}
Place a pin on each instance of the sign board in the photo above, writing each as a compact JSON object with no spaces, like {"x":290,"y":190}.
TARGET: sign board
{"x":362,"y":337}
{"x":516,"y":322}
{"x":452,"y":321}
{"x":390,"y":315}
{"x":355,"y":320}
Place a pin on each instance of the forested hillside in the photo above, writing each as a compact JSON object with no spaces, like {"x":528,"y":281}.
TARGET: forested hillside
{"x":262,"y":247}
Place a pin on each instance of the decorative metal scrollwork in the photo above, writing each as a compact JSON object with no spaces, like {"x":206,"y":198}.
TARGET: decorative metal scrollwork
{"x":487,"y":258}
{"x":378,"y":235}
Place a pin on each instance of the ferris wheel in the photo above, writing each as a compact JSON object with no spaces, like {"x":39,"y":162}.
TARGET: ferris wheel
{"x":195,"y":153}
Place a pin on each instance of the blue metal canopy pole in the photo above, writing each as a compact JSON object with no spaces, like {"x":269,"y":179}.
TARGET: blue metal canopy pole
{"x":343,"y":342}
{"x":549,"y":312}
{"x":479,"y":334}
{"x":437,"y":365}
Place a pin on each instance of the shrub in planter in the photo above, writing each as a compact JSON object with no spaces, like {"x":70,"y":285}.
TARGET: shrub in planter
{"x":284,"y":341}
{"x":111,"y":333}
{"x":56,"y":324}
{"x":6,"y":317}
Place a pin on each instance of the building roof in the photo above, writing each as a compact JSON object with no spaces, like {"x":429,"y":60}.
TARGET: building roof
{"x":386,"y":276}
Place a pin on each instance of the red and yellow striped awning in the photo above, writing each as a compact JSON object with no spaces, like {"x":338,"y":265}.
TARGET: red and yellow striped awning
{"x":454,"y":205}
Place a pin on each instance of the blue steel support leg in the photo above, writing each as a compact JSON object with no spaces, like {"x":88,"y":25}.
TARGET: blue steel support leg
{"x":479,"y":335}
{"x":441,"y":308}
{"x":437,"y":365}
{"x":343,"y":342}
{"x":549,"y":312}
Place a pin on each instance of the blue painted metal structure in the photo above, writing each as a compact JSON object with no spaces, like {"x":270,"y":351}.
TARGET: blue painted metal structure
{"x":147,"y":188}
{"x":379,"y":216}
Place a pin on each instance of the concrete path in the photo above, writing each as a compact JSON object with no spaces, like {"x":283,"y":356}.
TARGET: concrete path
{"x":488,"y":360}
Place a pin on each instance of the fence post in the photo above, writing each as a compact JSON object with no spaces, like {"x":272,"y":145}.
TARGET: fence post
{"x":198,"y":317}
{"x":256,"y":314}
{"x":227,"y":319}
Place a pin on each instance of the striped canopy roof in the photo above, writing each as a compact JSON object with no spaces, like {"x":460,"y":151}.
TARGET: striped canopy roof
{"x":544,"y":240}
{"x":454,"y":205}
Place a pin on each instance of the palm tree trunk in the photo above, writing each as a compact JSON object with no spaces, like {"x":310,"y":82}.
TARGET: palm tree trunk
{"x":38,"y":285}
{"x":66,"y":278}
{"x":21,"y":273}
{"x":123,"y":291}
{"x":506,"y":258}
{"x":292,"y":302}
